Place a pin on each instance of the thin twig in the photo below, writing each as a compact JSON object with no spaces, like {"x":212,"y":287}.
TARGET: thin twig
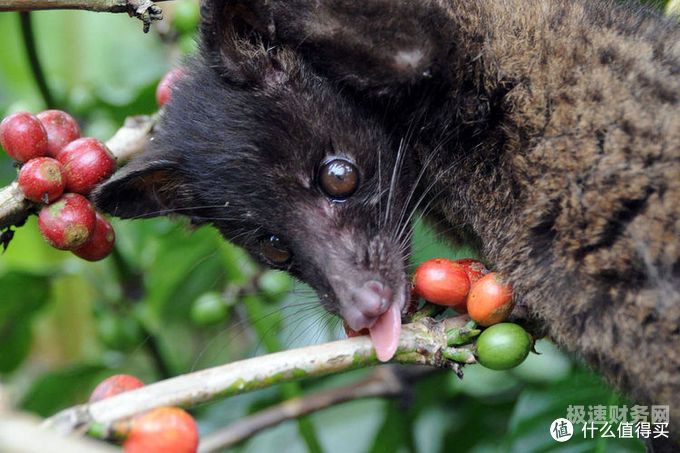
{"x":102,"y":6}
{"x":383,"y":382}
{"x":144,"y":10}
{"x":33,"y":59}
{"x":113,"y":6}
{"x":420,"y":343}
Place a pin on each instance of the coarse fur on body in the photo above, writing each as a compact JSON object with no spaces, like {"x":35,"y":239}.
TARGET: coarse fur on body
{"x":547,"y":130}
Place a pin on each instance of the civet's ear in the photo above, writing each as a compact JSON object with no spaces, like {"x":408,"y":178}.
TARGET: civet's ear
{"x":148,"y":186}
{"x":236,"y":40}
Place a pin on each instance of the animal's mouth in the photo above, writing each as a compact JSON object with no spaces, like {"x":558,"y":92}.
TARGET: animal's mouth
{"x":385,"y":333}
{"x":376,"y":307}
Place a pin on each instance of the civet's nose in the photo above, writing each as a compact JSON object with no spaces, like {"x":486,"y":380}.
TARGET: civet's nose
{"x":368,"y":302}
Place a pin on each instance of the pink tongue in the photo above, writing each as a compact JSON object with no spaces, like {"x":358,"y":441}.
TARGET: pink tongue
{"x":385,"y":333}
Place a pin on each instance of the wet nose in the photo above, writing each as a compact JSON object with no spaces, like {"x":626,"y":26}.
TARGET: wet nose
{"x":369,"y":302}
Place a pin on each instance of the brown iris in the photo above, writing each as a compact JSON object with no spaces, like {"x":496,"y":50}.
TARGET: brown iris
{"x":274,"y":250}
{"x":338,"y":178}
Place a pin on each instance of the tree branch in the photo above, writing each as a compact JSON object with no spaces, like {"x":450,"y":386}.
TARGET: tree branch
{"x":14,"y":208}
{"x":102,"y":6}
{"x":132,"y":138}
{"x":423,"y":343}
{"x":22,"y":433}
{"x":128,"y":141}
{"x":383,"y":382}
{"x":144,"y":10}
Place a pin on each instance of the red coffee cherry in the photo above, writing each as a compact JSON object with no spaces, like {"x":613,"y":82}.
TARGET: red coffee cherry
{"x":100,"y":244}
{"x":164,"y":89}
{"x":164,"y":429}
{"x":441,"y":281}
{"x":61,"y":130}
{"x":473,"y":268}
{"x":23,"y":137}
{"x":114,"y":385}
{"x":87,"y":162}
{"x":42,"y":180}
{"x":68,"y":223}
{"x":490,"y":300}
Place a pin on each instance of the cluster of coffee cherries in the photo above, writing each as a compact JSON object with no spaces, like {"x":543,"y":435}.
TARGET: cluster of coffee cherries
{"x":58,"y":171}
{"x":164,"y":429}
{"x":467,"y":286}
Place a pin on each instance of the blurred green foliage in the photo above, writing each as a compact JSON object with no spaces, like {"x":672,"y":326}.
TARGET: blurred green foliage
{"x":173,"y":300}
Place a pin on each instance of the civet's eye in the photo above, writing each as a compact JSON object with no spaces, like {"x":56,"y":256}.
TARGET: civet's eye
{"x":274,"y":250}
{"x":338,"y":178}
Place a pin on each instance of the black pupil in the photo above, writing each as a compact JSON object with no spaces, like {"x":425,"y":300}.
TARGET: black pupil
{"x":274,"y":250}
{"x":339,"y":178}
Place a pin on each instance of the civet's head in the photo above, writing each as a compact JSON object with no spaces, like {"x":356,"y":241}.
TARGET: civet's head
{"x":284,"y":165}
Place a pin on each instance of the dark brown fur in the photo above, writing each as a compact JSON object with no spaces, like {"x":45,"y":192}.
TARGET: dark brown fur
{"x":585,"y":219}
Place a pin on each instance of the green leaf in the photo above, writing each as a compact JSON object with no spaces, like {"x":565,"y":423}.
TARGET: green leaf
{"x":428,"y":244}
{"x":30,"y":253}
{"x":395,"y":432}
{"x":16,"y":344}
{"x":184,"y":268}
{"x":476,"y":423}
{"x":62,"y":388}
{"x":550,"y":365}
{"x":537,"y":407}
{"x":266,"y":321}
{"x":23,"y":295}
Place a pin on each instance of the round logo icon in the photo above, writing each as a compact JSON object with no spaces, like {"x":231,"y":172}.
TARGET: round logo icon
{"x":561,"y":430}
